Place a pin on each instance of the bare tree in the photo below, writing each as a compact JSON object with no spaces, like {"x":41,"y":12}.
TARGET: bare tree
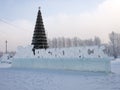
{"x":97,"y":41}
{"x":62,"y":42}
{"x":114,"y":42}
{"x":54,"y":43}
{"x":68,"y":42}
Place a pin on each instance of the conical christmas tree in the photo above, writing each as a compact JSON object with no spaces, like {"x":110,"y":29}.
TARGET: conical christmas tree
{"x":39,"y":37}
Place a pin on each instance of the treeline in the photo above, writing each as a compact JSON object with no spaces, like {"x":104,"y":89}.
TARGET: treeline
{"x":62,"y":42}
{"x":112,"y":48}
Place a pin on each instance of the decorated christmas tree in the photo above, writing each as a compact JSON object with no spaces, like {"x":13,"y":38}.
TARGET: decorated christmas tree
{"x":39,"y":40}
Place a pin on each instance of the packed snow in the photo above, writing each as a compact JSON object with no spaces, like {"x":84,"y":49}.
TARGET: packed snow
{"x":45,"y":79}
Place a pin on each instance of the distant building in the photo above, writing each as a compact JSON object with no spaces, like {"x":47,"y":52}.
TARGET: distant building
{"x":39,"y":40}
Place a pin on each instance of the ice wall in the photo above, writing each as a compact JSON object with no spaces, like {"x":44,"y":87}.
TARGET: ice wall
{"x":74,"y":58}
{"x":96,"y":64}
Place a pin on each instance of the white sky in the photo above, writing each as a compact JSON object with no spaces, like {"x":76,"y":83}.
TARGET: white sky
{"x":84,"y":19}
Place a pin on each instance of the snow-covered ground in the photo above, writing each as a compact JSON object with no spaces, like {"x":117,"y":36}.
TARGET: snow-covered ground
{"x":20,"y":79}
{"x":115,"y":66}
{"x":5,"y":65}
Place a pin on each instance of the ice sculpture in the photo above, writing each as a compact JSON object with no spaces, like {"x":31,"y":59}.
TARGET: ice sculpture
{"x":75,"y":58}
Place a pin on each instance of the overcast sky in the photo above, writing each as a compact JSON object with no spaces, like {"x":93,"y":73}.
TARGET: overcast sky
{"x":69,"y":18}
